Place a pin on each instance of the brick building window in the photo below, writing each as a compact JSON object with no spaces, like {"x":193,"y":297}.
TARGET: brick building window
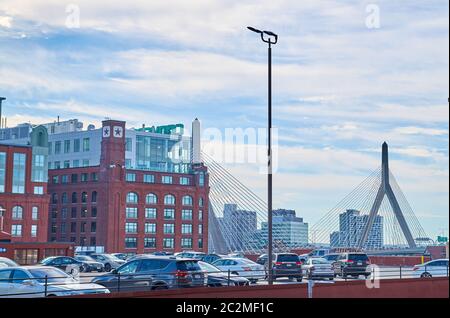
{"x":74,"y":197}
{"x":34,"y":230}
{"x":169,"y":243}
{"x":73,"y":213}
{"x":169,"y":199}
{"x":54,"y":198}
{"x":151,"y":198}
{"x":16,"y":230}
{"x":149,"y":242}
{"x":132,"y":198}
{"x":167,"y":179}
{"x":169,"y":228}
{"x":131,"y":213}
{"x":130,"y":177}
{"x":94,"y":212}
{"x":150,"y":228}
{"x":185,"y":181}
{"x":34,"y":213}
{"x":149,"y":178}
{"x":186,"y":243}
{"x":94,"y":197}
{"x":84,"y":197}
{"x":169,"y":214}
{"x":130,"y":242}
{"x":131,"y":228}
{"x":150,"y":213}
{"x":17,"y":213}
{"x":84,"y":212}
{"x":186,"y":229}
{"x":64,"y":198}
{"x":93,"y":227}
{"x":186,"y":215}
{"x":187,"y":200}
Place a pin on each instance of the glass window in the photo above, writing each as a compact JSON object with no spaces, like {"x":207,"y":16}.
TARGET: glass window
{"x":76,"y":163}
{"x":169,"y":199}
{"x":39,"y":190}
{"x":185,"y":181}
{"x":150,"y":228}
{"x":57,"y":165}
{"x":65,"y":179}
{"x":84,"y":197}
{"x":73,"y":213}
{"x":128,"y":163}
{"x":200,"y":202}
{"x":57,"y":147}
{"x":50,"y":148}
{"x":130,"y":242}
{"x":169,"y":214}
{"x":186,"y":243}
{"x":66,"y":164}
{"x":167,"y":179}
{"x":66,"y":146}
{"x":76,"y":145}
{"x":94,"y":197}
{"x":132,"y":198}
{"x":16,"y":230}
{"x":131,"y":213}
{"x":74,"y":178}
{"x":150,"y":213}
{"x":201,"y":179}
{"x":18,"y":185}
{"x":168,"y":243}
{"x":187,"y":200}
{"x":17,"y":213}
{"x":131,"y":228}
{"x":186,"y":215}
{"x":151,"y":198}
{"x":39,"y":172}
{"x":149,"y":242}
{"x":85,"y":162}
{"x":131,"y":267}
{"x":94,"y":212}
{"x":149,"y":178}
{"x":200,"y":229}
{"x":130,"y":177}
{"x":34,"y":213}
{"x":86,"y":144}
{"x":74,"y":197}
{"x":169,"y":228}
{"x":200,"y":215}
{"x":34,"y":230}
{"x":186,"y":229}
{"x":128,"y":144}
{"x":94,"y":176}
{"x":84,"y":177}
{"x":2,"y":171}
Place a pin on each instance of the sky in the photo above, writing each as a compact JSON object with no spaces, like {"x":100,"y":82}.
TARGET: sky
{"x":347,"y":76}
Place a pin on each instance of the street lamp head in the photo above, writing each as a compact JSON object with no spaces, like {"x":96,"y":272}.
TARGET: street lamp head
{"x":270,"y":33}
{"x":2,"y":99}
{"x":255,"y":30}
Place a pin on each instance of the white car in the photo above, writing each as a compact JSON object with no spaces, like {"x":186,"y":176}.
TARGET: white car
{"x":6,"y":262}
{"x":318,"y":268}
{"x":436,"y":268}
{"x":30,"y":282}
{"x":241,"y":267}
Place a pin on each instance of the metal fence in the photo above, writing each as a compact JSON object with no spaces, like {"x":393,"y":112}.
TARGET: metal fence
{"x":118,"y":283}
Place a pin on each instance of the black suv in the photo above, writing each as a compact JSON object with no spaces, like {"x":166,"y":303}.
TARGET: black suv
{"x":153,"y":272}
{"x":351,"y":264}
{"x":287,"y":265}
{"x":65,"y":263}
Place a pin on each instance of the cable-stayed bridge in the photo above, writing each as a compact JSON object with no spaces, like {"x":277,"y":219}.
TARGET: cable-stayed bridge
{"x":375,"y":216}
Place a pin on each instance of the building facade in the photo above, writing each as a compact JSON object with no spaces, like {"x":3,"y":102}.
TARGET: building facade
{"x":123,"y":190}
{"x":351,"y":226}
{"x":23,"y":189}
{"x":288,"y":229}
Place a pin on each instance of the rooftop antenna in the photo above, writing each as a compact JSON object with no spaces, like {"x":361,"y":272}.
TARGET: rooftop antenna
{"x":1,"y":100}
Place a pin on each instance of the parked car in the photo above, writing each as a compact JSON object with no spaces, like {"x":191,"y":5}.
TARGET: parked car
{"x":351,"y":264}
{"x":287,"y":265}
{"x":6,"y":262}
{"x":109,"y":261}
{"x":320,"y":252}
{"x":217,"y":278}
{"x":318,"y":268}
{"x":242,"y":267}
{"x":263,"y":259}
{"x":65,"y":263}
{"x":152,"y":273}
{"x":333,"y":257}
{"x":30,"y":282}
{"x":191,"y":254}
{"x":435,"y":268}
{"x":121,"y":256}
{"x":89,"y":264}
{"x":211,"y":258}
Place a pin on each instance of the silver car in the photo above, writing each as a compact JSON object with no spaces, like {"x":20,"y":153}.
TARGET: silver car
{"x":109,"y":261}
{"x":42,"y":281}
{"x":6,"y":262}
{"x":318,"y":268}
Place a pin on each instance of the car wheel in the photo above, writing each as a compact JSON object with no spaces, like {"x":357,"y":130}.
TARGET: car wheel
{"x":160,"y":287}
{"x":299,"y":279}
{"x":426,"y":275}
{"x":107,"y":267}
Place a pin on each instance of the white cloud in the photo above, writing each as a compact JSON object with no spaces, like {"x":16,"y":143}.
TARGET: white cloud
{"x":412,"y":130}
{"x":5,"y":22}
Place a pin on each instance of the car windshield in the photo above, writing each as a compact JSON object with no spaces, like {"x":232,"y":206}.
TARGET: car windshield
{"x":333,"y":257}
{"x":47,"y":260}
{"x":112,"y":257}
{"x":319,"y":261}
{"x":208,"y":267}
{"x":84,"y":258}
{"x":188,"y":266}
{"x":54,"y":276}
{"x":288,"y":258}
{"x":358,"y":257}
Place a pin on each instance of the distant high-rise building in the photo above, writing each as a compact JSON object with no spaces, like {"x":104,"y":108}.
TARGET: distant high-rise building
{"x":288,"y":229}
{"x":351,"y":226}
{"x":238,"y":226}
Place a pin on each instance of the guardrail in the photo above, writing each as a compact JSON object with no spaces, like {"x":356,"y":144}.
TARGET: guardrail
{"x":123,"y":282}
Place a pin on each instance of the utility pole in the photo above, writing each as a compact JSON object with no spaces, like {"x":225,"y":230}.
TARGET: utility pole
{"x":1,"y":118}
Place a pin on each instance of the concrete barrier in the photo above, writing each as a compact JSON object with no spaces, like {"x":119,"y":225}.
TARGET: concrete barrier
{"x":392,"y":288}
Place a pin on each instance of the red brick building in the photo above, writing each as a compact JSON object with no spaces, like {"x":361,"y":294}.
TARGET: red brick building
{"x":128,"y":210}
{"x":23,"y":202}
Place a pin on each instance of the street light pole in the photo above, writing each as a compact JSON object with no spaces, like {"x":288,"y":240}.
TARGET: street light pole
{"x":272,"y":39}
{"x":1,"y":100}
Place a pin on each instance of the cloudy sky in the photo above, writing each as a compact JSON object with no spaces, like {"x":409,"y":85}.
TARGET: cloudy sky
{"x":341,"y":86}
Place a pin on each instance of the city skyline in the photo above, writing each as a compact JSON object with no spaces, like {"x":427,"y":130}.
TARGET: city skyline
{"x":338,"y":92}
